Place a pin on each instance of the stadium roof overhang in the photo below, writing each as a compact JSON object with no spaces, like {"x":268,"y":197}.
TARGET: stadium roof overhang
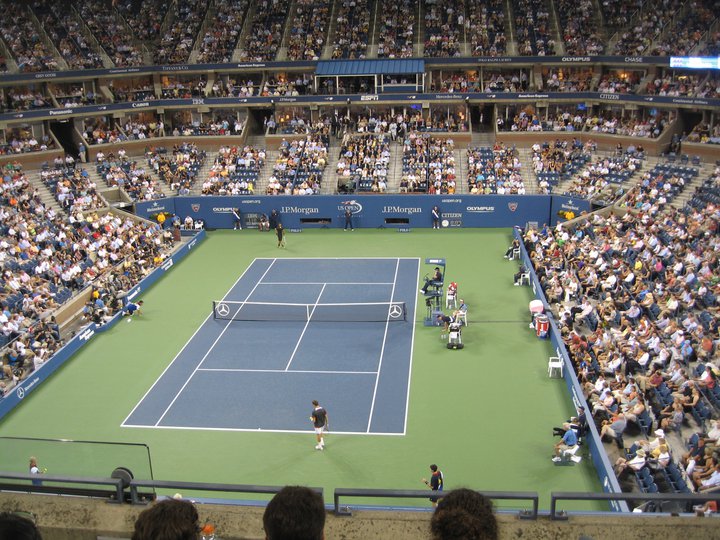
{"x":389,"y":75}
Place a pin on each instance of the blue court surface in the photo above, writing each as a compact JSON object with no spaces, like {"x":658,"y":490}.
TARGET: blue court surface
{"x":247,"y":375}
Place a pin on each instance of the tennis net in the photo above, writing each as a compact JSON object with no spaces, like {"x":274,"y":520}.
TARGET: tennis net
{"x":341,"y":312}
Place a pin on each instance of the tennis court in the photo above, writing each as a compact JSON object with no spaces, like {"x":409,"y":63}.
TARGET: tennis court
{"x":289,"y":331}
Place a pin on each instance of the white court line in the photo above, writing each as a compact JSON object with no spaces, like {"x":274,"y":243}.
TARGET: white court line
{"x":382,"y":349}
{"x":307,"y":323}
{"x":326,"y":283}
{"x":412,"y":348}
{"x":184,"y":347}
{"x":210,"y":349}
{"x":293,"y":371}
{"x":256,"y":430}
{"x":339,"y":258}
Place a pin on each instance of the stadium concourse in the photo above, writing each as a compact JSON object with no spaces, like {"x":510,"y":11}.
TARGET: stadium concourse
{"x":119,"y":119}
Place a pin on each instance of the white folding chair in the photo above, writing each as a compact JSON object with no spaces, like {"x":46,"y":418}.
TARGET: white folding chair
{"x":524,"y":278}
{"x":555,"y":363}
{"x":516,"y":253}
{"x":461,"y":316}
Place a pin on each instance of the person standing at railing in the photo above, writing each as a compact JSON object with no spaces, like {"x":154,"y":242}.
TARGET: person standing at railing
{"x":36,"y":471}
{"x":436,"y":482}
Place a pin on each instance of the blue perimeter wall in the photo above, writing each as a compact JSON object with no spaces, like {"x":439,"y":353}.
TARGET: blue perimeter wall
{"x":17,"y":394}
{"x":372,"y":211}
{"x":597,"y":451}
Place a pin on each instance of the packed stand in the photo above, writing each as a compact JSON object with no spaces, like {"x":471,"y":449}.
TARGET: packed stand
{"x":457,"y":83}
{"x":444,"y":28}
{"x":636,"y":39}
{"x":363,"y":163}
{"x":398,"y":22}
{"x":614,"y":83}
{"x":110,"y":31}
{"x":485,"y":27}
{"x":71,"y":186}
{"x":554,"y":161}
{"x":119,"y":171}
{"x":178,"y":170}
{"x":64,"y":30}
{"x":23,"y":40}
{"x":144,"y":17}
{"x":617,"y":13}
{"x":580,"y":32}
{"x":235,"y":171}
{"x":138,"y":91}
{"x":428,"y":164}
{"x":234,"y":88}
{"x":308,"y":30}
{"x":20,"y":141}
{"x":567,"y":80}
{"x":177,"y":41}
{"x":23,"y":99}
{"x":352,"y":26}
{"x":685,"y":31}
{"x":218,"y":126}
{"x":637,"y":301}
{"x":684,"y":85}
{"x":282,"y":85}
{"x":46,"y":258}
{"x":266,"y":31}
{"x":221,"y":37}
{"x":705,"y":133}
{"x":499,"y":81}
{"x":74,"y":96}
{"x":532,"y":28}
{"x":172,"y":89}
{"x":299,"y":167}
{"x":630,"y":126}
{"x":100,"y":132}
{"x":287,"y":125}
{"x":659,"y":186}
{"x":494,"y":171}
{"x":601,"y":179}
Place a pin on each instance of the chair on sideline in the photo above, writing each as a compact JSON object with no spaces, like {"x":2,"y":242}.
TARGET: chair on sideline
{"x":555,"y":363}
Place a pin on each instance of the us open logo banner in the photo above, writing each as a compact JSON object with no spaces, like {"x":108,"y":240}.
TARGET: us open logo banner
{"x":354,"y":206}
{"x":195,"y":207}
{"x":513,"y":206}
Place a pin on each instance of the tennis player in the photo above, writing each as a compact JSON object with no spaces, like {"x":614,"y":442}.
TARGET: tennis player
{"x":320,"y":420}
{"x":280,"y":235}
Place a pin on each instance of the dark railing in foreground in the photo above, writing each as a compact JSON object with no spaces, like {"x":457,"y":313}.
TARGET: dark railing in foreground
{"x":201,"y":486}
{"x":424,"y":494}
{"x":121,"y":490}
{"x":115,"y":495}
{"x":696,"y":498}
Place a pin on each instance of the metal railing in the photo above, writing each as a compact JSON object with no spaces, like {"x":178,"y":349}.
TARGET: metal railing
{"x":556,"y":497}
{"x":39,"y":485}
{"x":425,"y":494}
{"x":202,"y":486}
